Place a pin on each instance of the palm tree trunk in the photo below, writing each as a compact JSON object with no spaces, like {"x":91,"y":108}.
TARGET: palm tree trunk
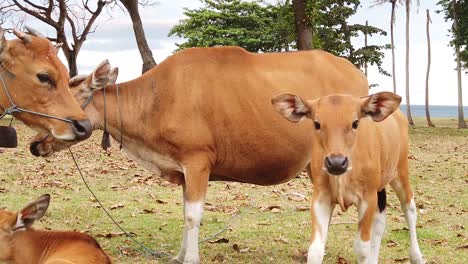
{"x":461,"y":117}
{"x":392,"y":23}
{"x":408,"y":105}
{"x":428,"y":116}
{"x":365,"y":45}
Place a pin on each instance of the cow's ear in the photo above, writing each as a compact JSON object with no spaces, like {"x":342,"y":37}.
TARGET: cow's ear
{"x":33,"y":211}
{"x":114,"y":73}
{"x":291,"y":107}
{"x":3,"y":42}
{"x":380,"y":105}
{"x":100,"y":76}
{"x":77,"y":80}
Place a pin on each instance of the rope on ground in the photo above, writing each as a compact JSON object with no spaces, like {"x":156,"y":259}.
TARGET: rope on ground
{"x":157,"y":254}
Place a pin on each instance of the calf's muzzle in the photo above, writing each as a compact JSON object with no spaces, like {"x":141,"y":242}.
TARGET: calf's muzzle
{"x":336,"y":164}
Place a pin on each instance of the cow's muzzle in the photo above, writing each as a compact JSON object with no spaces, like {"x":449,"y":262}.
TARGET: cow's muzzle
{"x":336,"y":164}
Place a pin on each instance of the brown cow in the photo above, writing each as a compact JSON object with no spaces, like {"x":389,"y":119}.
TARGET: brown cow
{"x":32,"y":74}
{"x":20,"y":244}
{"x":359,"y":148}
{"x":203,"y":114}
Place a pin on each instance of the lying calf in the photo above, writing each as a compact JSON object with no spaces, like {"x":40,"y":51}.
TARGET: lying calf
{"x":20,"y":244}
{"x":359,"y":147}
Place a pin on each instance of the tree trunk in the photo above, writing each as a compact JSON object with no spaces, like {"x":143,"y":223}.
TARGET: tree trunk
{"x":461,"y":117}
{"x":72,"y":67}
{"x":408,"y":105}
{"x":143,"y":47}
{"x":428,"y":116}
{"x":392,"y":24}
{"x":303,"y":30}
{"x":70,"y":56}
{"x":365,"y":45}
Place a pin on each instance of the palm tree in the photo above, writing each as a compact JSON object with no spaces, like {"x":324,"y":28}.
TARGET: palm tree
{"x":428,"y":116}
{"x":461,"y":118}
{"x":408,"y":105}
{"x":394,"y":4}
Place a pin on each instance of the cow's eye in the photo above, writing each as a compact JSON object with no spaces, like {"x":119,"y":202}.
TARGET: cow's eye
{"x":355,"y":124}
{"x":45,"y":78}
{"x":317,"y":125}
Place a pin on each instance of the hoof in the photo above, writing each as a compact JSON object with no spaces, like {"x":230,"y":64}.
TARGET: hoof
{"x":174,"y":261}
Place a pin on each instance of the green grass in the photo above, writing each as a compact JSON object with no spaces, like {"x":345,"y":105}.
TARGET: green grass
{"x":152,"y":208}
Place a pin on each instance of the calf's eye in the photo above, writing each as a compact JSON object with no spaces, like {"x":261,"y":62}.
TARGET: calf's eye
{"x":355,"y":124}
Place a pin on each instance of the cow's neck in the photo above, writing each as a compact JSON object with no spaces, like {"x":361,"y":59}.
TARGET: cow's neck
{"x":126,"y":114}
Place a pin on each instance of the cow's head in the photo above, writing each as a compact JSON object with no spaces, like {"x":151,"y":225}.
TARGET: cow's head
{"x":82,"y":88}
{"x":38,"y":81}
{"x":336,"y":121}
{"x":11,"y":222}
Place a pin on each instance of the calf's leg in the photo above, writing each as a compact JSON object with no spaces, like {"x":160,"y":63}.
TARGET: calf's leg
{"x":362,"y":245}
{"x":321,"y":211}
{"x":378,"y":227}
{"x":403,"y":190}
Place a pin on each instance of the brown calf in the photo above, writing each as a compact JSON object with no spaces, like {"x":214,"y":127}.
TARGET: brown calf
{"x":359,"y":148}
{"x":20,"y":244}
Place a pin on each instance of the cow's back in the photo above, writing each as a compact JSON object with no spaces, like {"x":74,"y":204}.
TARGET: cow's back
{"x":221,"y":98}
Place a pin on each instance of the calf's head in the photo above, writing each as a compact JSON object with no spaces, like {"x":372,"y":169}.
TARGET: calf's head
{"x":336,"y":121}
{"x":82,"y":88}
{"x":37,"y":81}
{"x":11,"y":222}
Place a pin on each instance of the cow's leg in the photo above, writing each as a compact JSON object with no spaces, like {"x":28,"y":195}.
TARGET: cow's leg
{"x":362,"y":245}
{"x":321,"y":211}
{"x":181,"y":255}
{"x":402,"y":188}
{"x":196,"y":174}
{"x":378,"y":227}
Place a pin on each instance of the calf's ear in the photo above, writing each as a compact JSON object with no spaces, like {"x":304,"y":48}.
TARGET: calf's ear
{"x":380,"y":105}
{"x":33,"y":211}
{"x":291,"y":107}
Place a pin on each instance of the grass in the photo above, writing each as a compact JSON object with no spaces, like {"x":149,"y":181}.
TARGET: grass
{"x":273,"y":224}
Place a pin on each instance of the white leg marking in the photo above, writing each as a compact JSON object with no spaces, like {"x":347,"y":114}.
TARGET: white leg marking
{"x":378,"y":227}
{"x":362,"y":250}
{"x":322,"y":212}
{"x":410,"y":215}
{"x":193,"y":216}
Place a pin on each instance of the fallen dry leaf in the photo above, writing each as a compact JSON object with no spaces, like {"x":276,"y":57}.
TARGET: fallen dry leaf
{"x":218,"y":258}
{"x":220,"y":241}
{"x":392,"y":243}
{"x":116,"y":206}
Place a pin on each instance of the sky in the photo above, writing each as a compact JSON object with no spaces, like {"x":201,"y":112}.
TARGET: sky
{"x":114,"y":40}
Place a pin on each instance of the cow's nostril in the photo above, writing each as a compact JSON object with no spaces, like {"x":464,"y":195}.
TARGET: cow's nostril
{"x":82,"y":129}
{"x":345,"y":162}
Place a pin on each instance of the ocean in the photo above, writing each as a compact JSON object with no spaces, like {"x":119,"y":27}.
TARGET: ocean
{"x":435,"y":110}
